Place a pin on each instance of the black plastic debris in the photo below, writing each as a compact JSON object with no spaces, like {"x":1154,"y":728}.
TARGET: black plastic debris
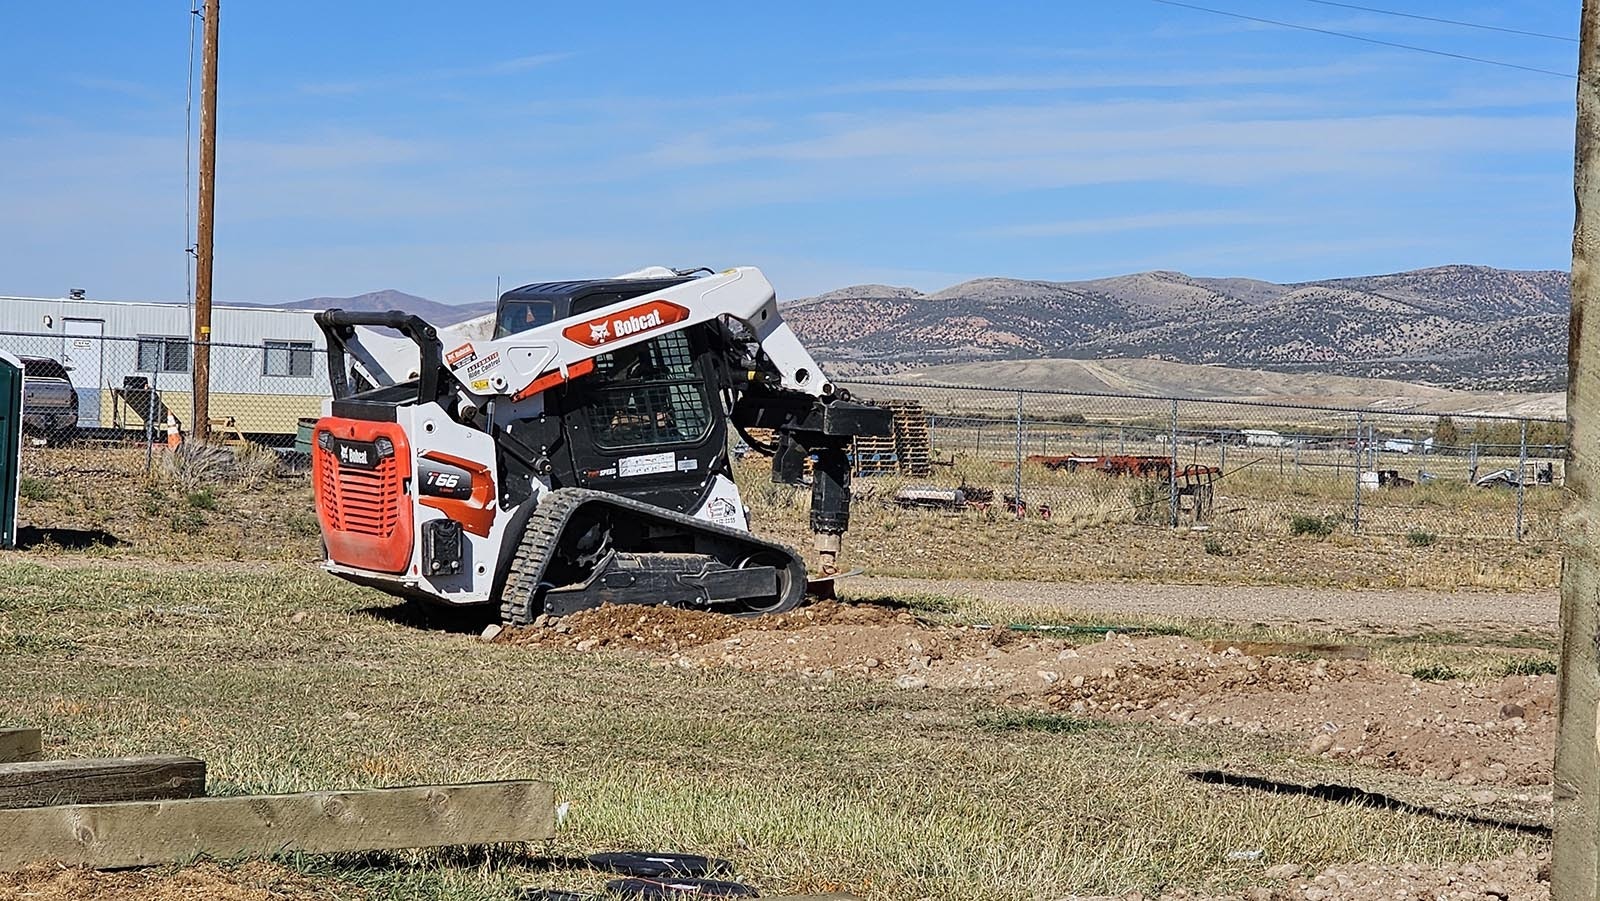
{"x":660,"y":865}
{"x":676,"y":889}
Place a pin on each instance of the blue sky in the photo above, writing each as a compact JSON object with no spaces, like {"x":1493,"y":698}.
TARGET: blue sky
{"x":432,"y":147}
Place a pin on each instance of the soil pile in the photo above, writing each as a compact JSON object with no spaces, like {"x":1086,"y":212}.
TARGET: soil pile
{"x":1486,"y":738}
{"x":1497,"y":734}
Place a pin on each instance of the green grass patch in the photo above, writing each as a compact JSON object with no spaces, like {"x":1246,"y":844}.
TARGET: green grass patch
{"x":1530,"y":666}
{"x":1037,"y":721}
{"x":1436,"y":672}
{"x":33,"y":488}
{"x":1314,"y":526}
{"x":203,"y":499}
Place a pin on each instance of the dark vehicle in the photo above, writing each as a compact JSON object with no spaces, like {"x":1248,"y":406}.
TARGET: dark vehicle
{"x":49,"y":402}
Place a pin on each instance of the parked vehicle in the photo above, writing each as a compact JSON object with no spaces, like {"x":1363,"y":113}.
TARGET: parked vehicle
{"x":49,"y":402}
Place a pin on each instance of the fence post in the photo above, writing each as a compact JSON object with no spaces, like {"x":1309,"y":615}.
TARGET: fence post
{"x":1172,"y":470}
{"x":1122,"y":439}
{"x":1222,"y":442}
{"x":150,"y":429}
{"x":1017,"y":478}
{"x":1355,"y":526}
{"x":1522,"y":474}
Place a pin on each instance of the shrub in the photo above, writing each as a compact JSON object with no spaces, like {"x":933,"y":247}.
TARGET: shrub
{"x":1529,"y":666}
{"x":204,"y":499}
{"x":1037,"y":721}
{"x":1317,"y":526}
{"x":188,"y":522}
{"x":1435,"y":672}
{"x":1418,"y":538}
{"x":1216,"y":548}
{"x":36,"y":489}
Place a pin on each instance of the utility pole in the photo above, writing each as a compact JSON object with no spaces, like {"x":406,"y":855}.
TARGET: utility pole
{"x":204,"y":224}
{"x":1575,"y":871}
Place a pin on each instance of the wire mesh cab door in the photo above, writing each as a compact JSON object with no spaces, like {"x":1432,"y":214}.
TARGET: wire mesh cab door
{"x":647,"y":423}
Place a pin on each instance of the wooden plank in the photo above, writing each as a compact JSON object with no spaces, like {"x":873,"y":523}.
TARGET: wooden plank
{"x":149,"y":832}
{"x":41,"y":783}
{"x":20,"y":744}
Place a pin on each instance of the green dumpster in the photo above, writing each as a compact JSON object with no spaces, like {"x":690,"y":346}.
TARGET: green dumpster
{"x":10,"y":445}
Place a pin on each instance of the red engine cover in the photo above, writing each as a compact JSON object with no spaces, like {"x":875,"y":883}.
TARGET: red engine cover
{"x":359,"y":471}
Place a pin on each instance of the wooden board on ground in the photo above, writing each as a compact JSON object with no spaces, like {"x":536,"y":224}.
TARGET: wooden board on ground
{"x":20,"y":744}
{"x":148,"y":832}
{"x":41,"y":783}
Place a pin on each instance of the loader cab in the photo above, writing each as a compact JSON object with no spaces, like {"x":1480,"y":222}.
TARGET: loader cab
{"x":648,"y":423}
{"x":531,"y":306}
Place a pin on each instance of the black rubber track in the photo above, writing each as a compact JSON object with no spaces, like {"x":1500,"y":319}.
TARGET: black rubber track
{"x":542,"y":534}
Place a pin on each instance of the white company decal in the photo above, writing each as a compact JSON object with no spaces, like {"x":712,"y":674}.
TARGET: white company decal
{"x":460,"y":357}
{"x":646,"y":464}
{"x":347,"y":454}
{"x":641,"y":318}
{"x":481,"y":368}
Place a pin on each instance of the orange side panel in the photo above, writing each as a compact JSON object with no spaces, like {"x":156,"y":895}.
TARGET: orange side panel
{"x":475,"y":514}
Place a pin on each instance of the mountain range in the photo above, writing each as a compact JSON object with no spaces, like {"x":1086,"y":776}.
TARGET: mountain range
{"x":1458,"y":326}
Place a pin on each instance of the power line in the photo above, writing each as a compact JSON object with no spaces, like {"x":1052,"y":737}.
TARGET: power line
{"x":1391,"y":12}
{"x":1367,"y":40}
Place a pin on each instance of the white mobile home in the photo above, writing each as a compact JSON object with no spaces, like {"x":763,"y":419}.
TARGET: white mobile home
{"x":267,"y":365}
{"x":1265,"y":438}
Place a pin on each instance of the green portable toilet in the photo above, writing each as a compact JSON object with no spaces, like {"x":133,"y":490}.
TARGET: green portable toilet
{"x":10,"y":445}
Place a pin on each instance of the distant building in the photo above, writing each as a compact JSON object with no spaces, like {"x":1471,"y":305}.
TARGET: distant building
{"x":1265,"y":438}
{"x":267,"y":365}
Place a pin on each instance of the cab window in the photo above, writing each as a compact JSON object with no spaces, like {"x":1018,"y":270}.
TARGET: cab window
{"x":521,"y":315}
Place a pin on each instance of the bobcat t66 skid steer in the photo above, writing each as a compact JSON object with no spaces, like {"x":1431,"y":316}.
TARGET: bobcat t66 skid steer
{"x":572,"y":449}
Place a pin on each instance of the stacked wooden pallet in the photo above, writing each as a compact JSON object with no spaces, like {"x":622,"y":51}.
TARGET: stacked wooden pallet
{"x":875,"y":456}
{"x":913,"y":448}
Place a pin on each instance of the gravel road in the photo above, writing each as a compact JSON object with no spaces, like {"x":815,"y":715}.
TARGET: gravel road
{"x":1271,"y":604}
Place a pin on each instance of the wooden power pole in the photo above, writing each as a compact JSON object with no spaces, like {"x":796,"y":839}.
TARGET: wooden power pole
{"x":204,"y":224}
{"x":1576,"y":865}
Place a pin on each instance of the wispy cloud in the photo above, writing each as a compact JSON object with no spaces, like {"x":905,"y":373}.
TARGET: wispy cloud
{"x":433,"y":76}
{"x":1137,"y":222}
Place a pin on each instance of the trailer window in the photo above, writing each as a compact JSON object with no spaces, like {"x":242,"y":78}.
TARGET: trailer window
{"x":161,"y":353}
{"x":521,"y":315}
{"x":291,"y":359}
{"x":649,"y":394}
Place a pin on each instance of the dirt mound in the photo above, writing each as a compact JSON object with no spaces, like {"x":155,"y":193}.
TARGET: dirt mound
{"x":1470,"y":734}
{"x":1489,"y":739}
{"x":626,"y":627}
{"x":642,"y":628}
{"x":253,"y":881}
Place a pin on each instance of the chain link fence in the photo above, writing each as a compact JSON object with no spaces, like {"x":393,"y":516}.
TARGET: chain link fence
{"x":86,"y":390}
{"x":1079,"y":458}
{"x":1229,"y":465}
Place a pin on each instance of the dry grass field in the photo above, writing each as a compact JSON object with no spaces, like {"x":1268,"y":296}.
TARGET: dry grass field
{"x":897,"y":747}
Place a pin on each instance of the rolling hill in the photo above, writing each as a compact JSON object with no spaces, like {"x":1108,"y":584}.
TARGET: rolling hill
{"x":1459,"y":326}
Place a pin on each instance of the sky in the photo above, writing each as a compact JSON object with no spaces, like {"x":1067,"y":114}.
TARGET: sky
{"x":437,"y":148}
